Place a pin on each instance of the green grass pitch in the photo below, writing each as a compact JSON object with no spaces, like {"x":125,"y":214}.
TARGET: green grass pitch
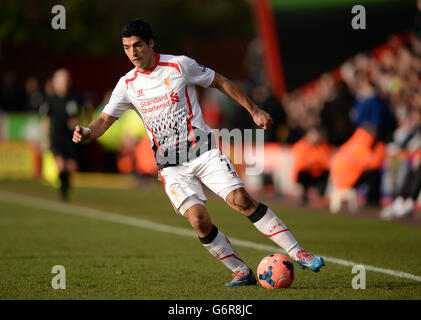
{"x":109,"y":260}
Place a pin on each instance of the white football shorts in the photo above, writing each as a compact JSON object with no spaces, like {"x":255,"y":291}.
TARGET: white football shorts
{"x":182,"y":183}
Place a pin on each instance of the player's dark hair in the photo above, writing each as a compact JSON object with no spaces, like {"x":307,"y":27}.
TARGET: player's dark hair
{"x":137,"y":27}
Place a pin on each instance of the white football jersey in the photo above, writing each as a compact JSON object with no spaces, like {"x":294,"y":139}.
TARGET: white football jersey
{"x":165,"y":99}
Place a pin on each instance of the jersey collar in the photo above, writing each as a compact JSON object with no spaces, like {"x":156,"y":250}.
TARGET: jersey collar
{"x":151,"y":69}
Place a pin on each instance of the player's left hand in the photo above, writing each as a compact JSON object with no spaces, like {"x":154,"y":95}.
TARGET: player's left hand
{"x":262,"y":119}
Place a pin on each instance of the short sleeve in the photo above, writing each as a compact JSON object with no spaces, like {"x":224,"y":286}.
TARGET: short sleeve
{"x":118,"y":102}
{"x":195,"y":73}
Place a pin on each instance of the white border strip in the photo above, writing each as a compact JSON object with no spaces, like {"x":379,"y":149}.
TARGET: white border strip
{"x":49,"y":205}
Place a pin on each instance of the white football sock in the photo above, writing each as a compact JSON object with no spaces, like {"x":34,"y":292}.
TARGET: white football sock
{"x":220,"y":247}
{"x":268,"y":223}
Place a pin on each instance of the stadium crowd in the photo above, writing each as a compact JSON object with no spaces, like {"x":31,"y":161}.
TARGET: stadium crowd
{"x":318,"y":119}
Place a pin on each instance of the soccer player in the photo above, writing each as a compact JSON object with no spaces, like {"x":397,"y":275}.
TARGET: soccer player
{"x":161,"y":89}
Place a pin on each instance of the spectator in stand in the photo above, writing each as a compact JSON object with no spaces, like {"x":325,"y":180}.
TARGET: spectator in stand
{"x":404,"y":204}
{"x":10,"y":93}
{"x":126,"y":156}
{"x":263,"y":95}
{"x":297,"y":117}
{"x":407,"y":140}
{"x":408,"y":135}
{"x":386,"y":85}
{"x":48,"y":88}
{"x":145,"y":159}
{"x":33,"y":94}
{"x":311,"y":161}
{"x":335,"y":115}
{"x":359,"y":159}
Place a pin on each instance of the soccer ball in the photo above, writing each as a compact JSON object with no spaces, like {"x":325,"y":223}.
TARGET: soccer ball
{"x":275,"y":271}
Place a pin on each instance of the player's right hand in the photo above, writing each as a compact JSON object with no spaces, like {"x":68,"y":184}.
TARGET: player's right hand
{"x":262,"y":119}
{"x":77,"y":134}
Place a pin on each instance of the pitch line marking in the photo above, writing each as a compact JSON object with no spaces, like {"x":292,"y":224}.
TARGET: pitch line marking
{"x":76,"y":210}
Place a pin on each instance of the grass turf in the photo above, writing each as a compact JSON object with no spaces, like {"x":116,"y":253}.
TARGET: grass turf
{"x":105,"y":260}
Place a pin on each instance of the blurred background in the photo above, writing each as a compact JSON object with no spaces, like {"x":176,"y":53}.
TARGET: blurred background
{"x":346,"y":102}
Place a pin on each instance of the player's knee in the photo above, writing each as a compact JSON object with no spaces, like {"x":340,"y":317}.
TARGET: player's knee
{"x":241,"y":201}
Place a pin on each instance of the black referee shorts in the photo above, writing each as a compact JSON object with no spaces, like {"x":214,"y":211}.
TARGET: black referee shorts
{"x":65,"y":148}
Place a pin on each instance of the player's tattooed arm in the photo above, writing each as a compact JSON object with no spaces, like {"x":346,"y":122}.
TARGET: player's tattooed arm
{"x":226,"y":86}
{"x":95,"y":129}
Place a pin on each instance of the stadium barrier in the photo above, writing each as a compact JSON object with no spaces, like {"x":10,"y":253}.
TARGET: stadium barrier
{"x":21,"y":158}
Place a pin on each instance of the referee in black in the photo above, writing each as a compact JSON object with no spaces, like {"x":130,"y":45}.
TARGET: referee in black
{"x":61,"y":110}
